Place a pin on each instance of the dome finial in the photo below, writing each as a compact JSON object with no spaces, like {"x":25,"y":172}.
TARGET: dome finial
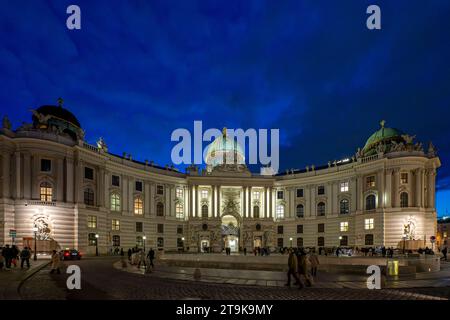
{"x":224,"y":131}
{"x":60,"y":102}
{"x":382,"y":123}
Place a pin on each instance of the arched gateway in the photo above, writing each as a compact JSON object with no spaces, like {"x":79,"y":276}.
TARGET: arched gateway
{"x":230,"y":232}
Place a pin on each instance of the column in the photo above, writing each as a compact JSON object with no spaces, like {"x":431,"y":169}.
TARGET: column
{"x":18,"y":186}
{"x":431,"y":188}
{"x":271,"y":202}
{"x":250,"y":207}
{"x":353,"y":191}
{"x":360,"y":193}
{"x":307,"y":206}
{"x":265,"y":203}
{"x":34,"y":178}
{"x":106,"y":185}
{"x":213,"y":201}
{"x":172,"y":200}
{"x":191,"y":201}
{"x":329,"y":193}
{"x":131,"y":187}
{"x":396,"y":197}
{"x":152,"y":199}
{"x":334,"y":199}
{"x":167,"y":200}
{"x":198,"y":207}
{"x":292,"y":202}
{"x":418,"y":178}
{"x":6,"y":173}
{"x":26,"y":176}
{"x":381,"y":189}
{"x":219,"y":204}
{"x":79,"y":181}
{"x":312,"y":203}
{"x":186,"y":202}
{"x":388,"y":197}
{"x":59,"y":180}
{"x":244,"y":202}
{"x":124,"y":185}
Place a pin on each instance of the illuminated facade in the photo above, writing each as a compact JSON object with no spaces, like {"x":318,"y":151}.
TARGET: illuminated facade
{"x":72,"y":191}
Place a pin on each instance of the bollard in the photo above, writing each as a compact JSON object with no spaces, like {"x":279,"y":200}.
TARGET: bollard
{"x":197,"y":274}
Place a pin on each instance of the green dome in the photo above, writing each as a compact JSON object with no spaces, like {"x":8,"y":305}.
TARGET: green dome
{"x":223,"y":150}
{"x":382,"y":135}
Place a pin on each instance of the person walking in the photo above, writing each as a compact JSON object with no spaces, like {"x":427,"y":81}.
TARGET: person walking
{"x":129,"y":254}
{"x":292,"y":269}
{"x":14,"y":255}
{"x":314,"y":260}
{"x":121,"y":252}
{"x":7,"y":255}
{"x":444,"y":253}
{"x":55,"y":260}
{"x":25,"y":255}
{"x":142,"y":259}
{"x":303,"y":270}
{"x":151,"y":257}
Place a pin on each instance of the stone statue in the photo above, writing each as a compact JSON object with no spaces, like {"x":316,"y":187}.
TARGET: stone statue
{"x":431,"y":149}
{"x":102,"y":145}
{"x":418,"y":147}
{"x":359,"y":153}
{"x":43,"y":120}
{"x":381,"y":148}
{"x":408,"y":139}
{"x":6,"y":123}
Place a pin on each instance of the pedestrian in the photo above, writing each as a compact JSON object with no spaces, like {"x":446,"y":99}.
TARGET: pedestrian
{"x":303,"y":270}
{"x":25,"y":255}
{"x":7,"y":255}
{"x":129,"y":254}
{"x":314,"y":260}
{"x":55,"y":260}
{"x":444,"y":253}
{"x":151,"y":256}
{"x":245,"y":251}
{"x":292,"y":269}
{"x":142,"y":259}
{"x":14,"y":255}
{"x":121,"y":252}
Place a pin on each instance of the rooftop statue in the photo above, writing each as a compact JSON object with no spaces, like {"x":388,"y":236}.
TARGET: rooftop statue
{"x":6,"y":123}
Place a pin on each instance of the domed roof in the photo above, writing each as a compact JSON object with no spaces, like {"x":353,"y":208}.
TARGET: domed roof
{"x":224,"y":147}
{"x":57,"y":112}
{"x":383,"y":134}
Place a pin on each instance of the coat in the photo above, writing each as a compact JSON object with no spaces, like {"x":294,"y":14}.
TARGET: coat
{"x":292,"y":262}
{"x":302,"y":264}
{"x":314,"y":260}
{"x":55,"y":260}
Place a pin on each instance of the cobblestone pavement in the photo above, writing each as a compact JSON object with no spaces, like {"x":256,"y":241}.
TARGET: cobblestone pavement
{"x":101,"y":281}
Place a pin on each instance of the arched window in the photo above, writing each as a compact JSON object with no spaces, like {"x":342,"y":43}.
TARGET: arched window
{"x":115,"y":202}
{"x":300,"y":211}
{"x":88,"y":197}
{"x":179,"y":210}
{"x":344,"y":206}
{"x":255,"y":212}
{"x":160,"y":209}
{"x":280,"y":211}
{"x":46,"y":191}
{"x":370,"y":202}
{"x":404,"y":199}
{"x":204,"y":211}
{"x":321,"y":209}
{"x":138,"y":206}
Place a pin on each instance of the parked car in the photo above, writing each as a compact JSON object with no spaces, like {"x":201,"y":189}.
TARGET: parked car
{"x":71,"y":254}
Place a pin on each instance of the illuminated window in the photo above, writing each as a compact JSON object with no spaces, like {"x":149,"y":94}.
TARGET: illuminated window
{"x":321,"y":209}
{"x":160,"y":209}
{"x":204,"y":211}
{"x":204,"y":194}
{"x":88,"y":197}
{"x":404,"y":199}
{"x":368,"y":224}
{"x":445,"y":234}
{"x":92,"y":222}
{"x":344,"y":186}
{"x":344,"y":206}
{"x":280,"y":211}
{"x":179,"y":210}
{"x":179,"y":193}
{"x":46,"y":191}
{"x":138,"y":206}
{"x":255,"y":212}
{"x":404,"y":177}
{"x":115,"y":224}
{"x":256,"y":195}
{"x":300,"y":211}
{"x":370,"y":202}
{"x":370,"y":182}
{"x":115,"y":202}
{"x":344,"y":226}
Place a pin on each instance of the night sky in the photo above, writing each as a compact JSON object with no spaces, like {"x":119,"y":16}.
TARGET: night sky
{"x":137,"y":70}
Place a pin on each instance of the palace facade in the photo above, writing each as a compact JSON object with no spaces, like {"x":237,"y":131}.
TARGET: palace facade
{"x":64,"y":192}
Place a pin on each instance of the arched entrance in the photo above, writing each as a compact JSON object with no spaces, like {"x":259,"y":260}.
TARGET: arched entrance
{"x":230,"y":232}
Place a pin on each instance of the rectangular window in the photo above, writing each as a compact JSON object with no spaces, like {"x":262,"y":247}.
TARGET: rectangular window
{"x":179,"y":229}
{"x":299,"y":242}
{"x":280,"y":194}
{"x":116,"y":241}
{"x":321,"y":190}
{"x":115,"y":225}
{"x":344,"y":226}
{"x":368,"y":224}
{"x":160,"y":242}
{"x":138,"y":186}
{"x":92,"y":240}
{"x":256,"y":195}
{"x":88,"y":173}
{"x":344,"y":186}
{"x":139,"y":227}
{"x":321,"y":227}
{"x":368,"y":240}
{"x":280,"y":243}
{"x":299,"y":228}
{"x":404,"y":178}
{"x":299,"y":193}
{"x":160,"y":228}
{"x":46,"y":165}
{"x":204,"y":194}
{"x":89,"y":197}
{"x":370,"y":182}
{"x":160,"y":189}
{"x":180,"y":243}
{"x":179,"y":193}
{"x":92,"y":222}
{"x":320,"y":241}
{"x":115,"y":181}
{"x":280,"y":229}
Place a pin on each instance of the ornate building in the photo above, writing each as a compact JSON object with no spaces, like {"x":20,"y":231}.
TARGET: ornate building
{"x":68,"y":192}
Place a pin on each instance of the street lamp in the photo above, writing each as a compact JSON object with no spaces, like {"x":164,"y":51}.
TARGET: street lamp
{"x":35,"y":230}
{"x":96,"y":244}
{"x":144,"y":238}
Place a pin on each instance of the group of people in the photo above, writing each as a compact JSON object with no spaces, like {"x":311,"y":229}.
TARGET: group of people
{"x":141,"y":257}
{"x":9,"y":257}
{"x":302,"y":267}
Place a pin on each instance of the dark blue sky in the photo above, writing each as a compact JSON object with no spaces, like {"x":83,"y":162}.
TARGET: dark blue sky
{"x":139,"y":69}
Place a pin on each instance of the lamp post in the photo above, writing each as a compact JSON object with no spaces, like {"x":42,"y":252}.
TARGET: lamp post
{"x":290,"y":241}
{"x":96,"y":244}
{"x":35,"y":230}
{"x":144,"y":238}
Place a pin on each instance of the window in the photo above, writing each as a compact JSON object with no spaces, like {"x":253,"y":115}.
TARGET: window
{"x":368,"y":240}
{"x":404,"y":178}
{"x":256,"y":195}
{"x":204,"y":211}
{"x":368,"y":224}
{"x":179,"y":210}
{"x":92,"y":222}
{"x":344,"y":186}
{"x":179,"y":229}
{"x":160,"y":228}
{"x":344,"y":206}
{"x":344,"y":226}
{"x":258,"y":227}
{"x":280,"y":229}
{"x":180,"y":243}
{"x":139,"y":241}
{"x":280,"y":194}
{"x":320,"y":190}
{"x":92,"y":240}
{"x":115,"y":225}
{"x":160,"y":189}
{"x":299,"y":193}
{"x":138,"y":185}
{"x":204,"y":227}
{"x":46,"y":165}
{"x":321,"y":209}
{"x":115,"y":202}
{"x":255,"y":212}
{"x":343,"y":241}
{"x":299,"y":228}
{"x":115,"y":181}
{"x":280,"y":211}
{"x":160,"y":209}
{"x":139,"y":227}
{"x":160,"y":242}
{"x":321,"y":227}
{"x":138,"y":206}
{"x":370,"y":202}
{"x":404,"y":199}
{"x":320,"y":241}
{"x":204,"y":194}
{"x":280,"y":242}
{"x":88,"y":197}
{"x":300,"y":210}
{"x":46,"y":191}
{"x":179,"y":193}
{"x":116,"y":241}
{"x":88,"y":173}
{"x":299,"y":242}
{"x":370,"y":182}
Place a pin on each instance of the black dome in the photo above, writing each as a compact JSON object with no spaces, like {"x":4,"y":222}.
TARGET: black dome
{"x":58,"y":112}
